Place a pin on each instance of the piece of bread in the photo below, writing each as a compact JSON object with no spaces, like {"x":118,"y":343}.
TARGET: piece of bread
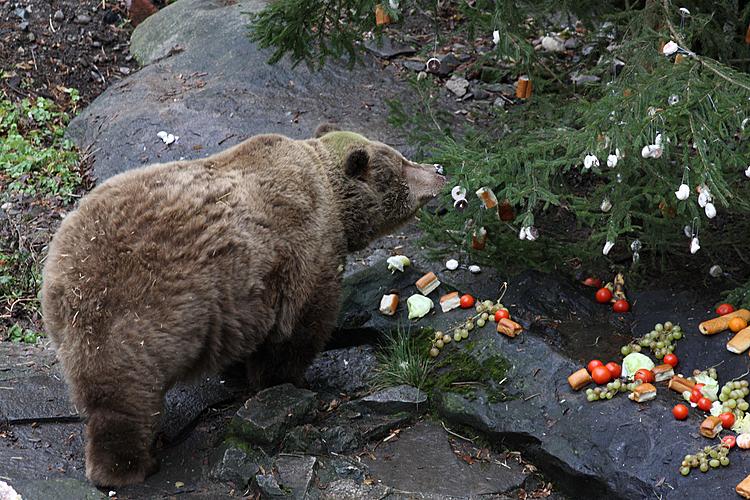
{"x":663,"y":372}
{"x":388,"y":304}
{"x":711,"y":427}
{"x":642,"y":393}
{"x":740,"y":342}
{"x":427,"y":283}
{"x":450,"y":301}
{"x":721,"y":323}
{"x":579,"y":379}
{"x":509,"y":327}
{"x":743,"y":489}
{"x":487,"y":196}
{"x":680,"y":384}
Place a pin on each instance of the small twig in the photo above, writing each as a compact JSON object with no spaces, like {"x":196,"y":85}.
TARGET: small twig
{"x":739,"y":377}
{"x":455,"y":434}
{"x":532,"y":396}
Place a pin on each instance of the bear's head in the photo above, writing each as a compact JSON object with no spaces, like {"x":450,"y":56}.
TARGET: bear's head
{"x":379,"y":188}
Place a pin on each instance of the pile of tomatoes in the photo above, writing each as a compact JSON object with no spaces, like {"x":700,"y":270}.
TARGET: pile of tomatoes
{"x":604,"y":296}
{"x":602,"y":373}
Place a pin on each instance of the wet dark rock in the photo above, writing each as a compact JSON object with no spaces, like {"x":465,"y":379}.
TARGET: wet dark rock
{"x":503,"y":88}
{"x":235,"y":466}
{"x":269,"y":486}
{"x":402,"y":398}
{"x":57,"y":489}
{"x":340,"y":439}
{"x":385,"y":48}
{"x":349,"y":489}
{"x":295,"y":473}
{"x":342,"y":371}
{"x":414,"y":65}
{"x":440,"y":470}
{"x":479,"y":93}
{"x":306,"y":439}
{"x":335,"y":467}
{"x":205,"y":81}
{"x":82,"y":19}
{"x":265,"y":417}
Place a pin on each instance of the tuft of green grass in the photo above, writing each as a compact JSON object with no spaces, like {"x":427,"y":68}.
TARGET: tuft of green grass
{"x":403,"y":359}
{"x":35,"y":157}
{"x":17,"y":333}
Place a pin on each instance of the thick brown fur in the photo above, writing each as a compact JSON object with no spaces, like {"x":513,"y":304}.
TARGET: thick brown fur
{"x":173,"y":270}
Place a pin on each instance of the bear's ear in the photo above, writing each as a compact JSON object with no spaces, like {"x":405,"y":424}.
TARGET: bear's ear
{"x":356,"y":163}
{"x":324,"y":128}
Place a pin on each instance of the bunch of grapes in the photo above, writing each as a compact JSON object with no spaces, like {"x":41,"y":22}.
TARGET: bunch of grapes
{"x":661,"y":340}
{"x":610,"y":390}
{"x":485,"y":312}
{"x":708,"y":457}
{"x":732,"y":397}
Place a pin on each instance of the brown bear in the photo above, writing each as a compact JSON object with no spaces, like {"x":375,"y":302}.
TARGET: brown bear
{"x":172,"y":270}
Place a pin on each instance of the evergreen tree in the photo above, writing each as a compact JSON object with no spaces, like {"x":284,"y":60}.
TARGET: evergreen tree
{"x":647,"y":161}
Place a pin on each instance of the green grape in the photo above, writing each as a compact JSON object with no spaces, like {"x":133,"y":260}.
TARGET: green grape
{"x":745,"y":383}
{"x":610,"y":395}
{"x":617,"y":383}
{"x":704,"y":467}
{"x":659,"y":344}
{"x":685,"y":463}
{"x":464,"y":334}
{"x":481,"y":323}
{"x":731,"y":404}
{"x":724,"y":461}
{"x":637,"y":348}
{"x":479,"y":308}
{"x":714,"y":463}
{"x":694,"y":462}
{"x":714,"y":454}
{"x":659,"y":327}
{"x":745,"y":391}
{"x":689,"y":458}
{"x":743,"y":405}
{"x":660,"y":355}
{"x":447,"y":339}
{"x":487,"y":304}
{"x":439,"y":344}
{"x":485,"y":316}
{"x":723,"y":397}
{"x":726,"y":390}
{"x":684,"y":471}
{"x":438,"y":335}
{"x":624,"y":350}
{"x":737,"y":384}
{"x":677,"y":335}
{"x":670,"y":348}
{"x":469,"y":325}
{"x":591,"y":397}
{"x":457,"y":336}
{"x":643,"y":343}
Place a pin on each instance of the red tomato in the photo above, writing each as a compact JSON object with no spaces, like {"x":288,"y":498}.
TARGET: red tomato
{"x":591,"y":281}
{"x":671,"y":359}
{"x":614,"y":369}
{"x":724,"y":308}
{"x":466,"y":301}
{"x":593,"y":364}
{"x":728,"y":441}
{"x":621,"y":306}
{"x":501,"y":313}
{"x":680,"y":412}
{"x":603,"y":295}
{"x":695,"y":396}
{"x":727,"y":420}
{"x":704,"y":404}
{"x":601,"y":375}
{"x":698,"y":386}
{"x":644,"y":375}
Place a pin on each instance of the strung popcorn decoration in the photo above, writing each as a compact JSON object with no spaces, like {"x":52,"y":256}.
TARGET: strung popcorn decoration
{"x":496,"y":37}
{"x":607,"y":247}
{"x":747,"y":171}
{"x":612,"y":161}
{"x":673,"y":99}
{"x":620,"y":155}
{"x":670,"y":48}
{"x":528,"y":233}
{"x":606,"y":205}
{"x":683,"y":192}
{"x":590,"y":161}
{"x":695,"y":245}
{"x":710,"y":210}
{"x":652,"y":151}
{"x":715,"y":271}
{"x":704,"y":197}
{"x":688,"y":231}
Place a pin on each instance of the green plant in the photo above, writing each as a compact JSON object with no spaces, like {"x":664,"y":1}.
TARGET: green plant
{"x":17,"y":333}
{"x":402,"y":359}
{"x":35,"y":158}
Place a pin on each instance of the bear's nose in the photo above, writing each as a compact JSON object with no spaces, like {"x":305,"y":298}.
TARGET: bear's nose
{"x":439,"y":169}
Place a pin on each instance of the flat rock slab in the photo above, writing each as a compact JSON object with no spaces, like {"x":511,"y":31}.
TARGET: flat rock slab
{"x":205,"y":82}
{"x":296,"y":473}
{"x":396,"y":399}
{"x":422,"y":460}
{"x":58,"y":489}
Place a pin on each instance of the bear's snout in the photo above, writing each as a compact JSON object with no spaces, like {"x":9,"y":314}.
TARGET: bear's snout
{"x":425,"y":181}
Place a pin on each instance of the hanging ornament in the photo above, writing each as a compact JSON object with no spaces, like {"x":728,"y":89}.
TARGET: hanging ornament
{"x":433,"y":64}
{"x":618,"y":177}
{"x":590,"y":161}
{"x":460,"y":204}
{"x":531,"y":233}
{"x":487,"y":197}
{"x":747,"y":171}
{"x":683,"y":192}
{"x":607,"y":247}
{"x":612,"y":161}
{"x":715,"y":271}
{"x":658,"y":139}
{"x":673,"y":99}
{"x":704,"y":197}
{"x":381,"y":16}
{"x":523,"y":88}
{"x":606,"y":205}
{"x":496,"y":37}
{"x":458,"y":193}
{"x":695,"y":245}
{"x":505,"y":211}
{"x":479,"y":239}
{"x":652,"y":151}
{"x":688,"y":231}
{"x":710,"y":210}
{"x":522,"y":234}
{"x":620,"y":155}
{"x":635,"y":247}
{"x":670,"y":48}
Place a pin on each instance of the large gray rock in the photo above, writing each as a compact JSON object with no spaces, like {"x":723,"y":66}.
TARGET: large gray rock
{"x":235,"y":466}
{"x":205,"y":82}
{"x":396,"y":399}
{"x":265,"y":417}
{"x":342,"y":371}
{"x":296,"y":473}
